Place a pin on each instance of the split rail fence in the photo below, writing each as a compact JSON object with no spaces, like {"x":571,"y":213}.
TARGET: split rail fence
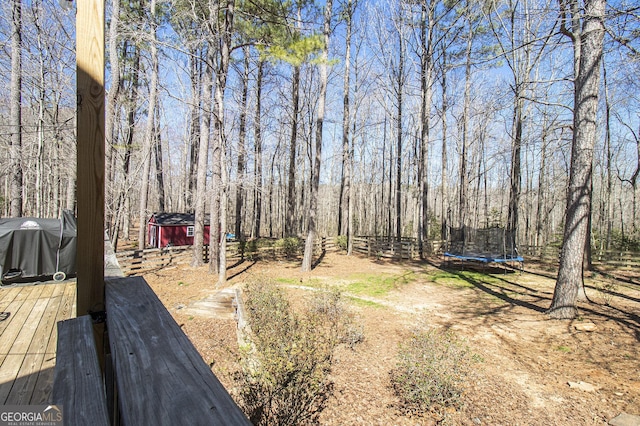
{"x":134,"y":262}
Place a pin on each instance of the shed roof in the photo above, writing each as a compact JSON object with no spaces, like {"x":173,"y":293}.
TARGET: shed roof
{"x":177,"y":219}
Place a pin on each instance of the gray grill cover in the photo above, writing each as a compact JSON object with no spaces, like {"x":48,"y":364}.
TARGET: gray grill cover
{"x":37,"y":248}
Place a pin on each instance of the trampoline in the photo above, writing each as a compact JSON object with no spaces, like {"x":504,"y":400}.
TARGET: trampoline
{"x":485,"y":246}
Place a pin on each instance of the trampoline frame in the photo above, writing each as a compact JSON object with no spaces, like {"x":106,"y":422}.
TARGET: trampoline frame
{"x":483,"y":257}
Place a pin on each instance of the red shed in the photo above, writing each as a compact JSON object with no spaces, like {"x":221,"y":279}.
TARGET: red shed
{"x":177,"y":229}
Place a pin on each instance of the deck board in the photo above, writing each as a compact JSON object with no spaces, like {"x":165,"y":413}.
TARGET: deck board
{"x":47,"y":346}
{"x":162,"y":379}
{"x":16,"y":307}
{"x":28,"y":339}
{"x":7,"y":296}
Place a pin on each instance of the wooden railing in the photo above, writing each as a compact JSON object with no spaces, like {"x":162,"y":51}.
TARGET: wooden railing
{"x":153,"y":374}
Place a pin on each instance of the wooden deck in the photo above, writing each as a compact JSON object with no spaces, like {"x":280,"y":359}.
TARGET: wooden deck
{"x":28,"y":339}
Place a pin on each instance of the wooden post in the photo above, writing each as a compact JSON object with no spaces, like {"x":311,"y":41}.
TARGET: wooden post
{"x":90,"y":155}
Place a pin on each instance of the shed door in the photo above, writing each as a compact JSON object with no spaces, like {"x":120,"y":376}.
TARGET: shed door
{"x":153,"y":236}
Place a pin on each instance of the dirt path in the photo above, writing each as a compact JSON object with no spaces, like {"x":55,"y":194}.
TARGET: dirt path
{"x":527,"y":361}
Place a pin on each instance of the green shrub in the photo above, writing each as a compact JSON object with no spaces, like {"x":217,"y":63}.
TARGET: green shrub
{"x":248,"y":249}
{"x":290,"y":246}
{"x":342,"y":242}
{"x":285,"y":373}
{"x":431,"y":371}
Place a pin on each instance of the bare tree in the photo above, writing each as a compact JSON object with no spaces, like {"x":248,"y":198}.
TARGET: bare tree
{"x":345,"y":182}
{"x":15,"y":152}
{"x":111,"y":113}
{"x":427,"y":27}
{"x":589,"y":38}
{"x":519,"y":47}
{"x":315,"y":178}
{"x":345,"y":208}
{"x":150,"y":135}
{"x":242,"y":133}
{"x":203,"y":157}
{"x":220,"y":192}
{"x":257,"y":123}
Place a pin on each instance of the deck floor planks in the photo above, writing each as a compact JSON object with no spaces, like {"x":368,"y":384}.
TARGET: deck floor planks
{"x":66,"y":310}
{"x":20,"y":310}
{"x":6,"y":297}
{"x":13,"y":307}
{"x":25,"y":340}
{"x":28,"y":330}
{"x":62,"y":296}
{"x":10,"y":364}
{"x":38,"y":325}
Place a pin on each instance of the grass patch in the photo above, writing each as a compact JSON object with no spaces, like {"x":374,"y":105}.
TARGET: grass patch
{"x":365,"y":303}
{"x":314,"y":283}
{"x":288,"y":281}
{"x":450,"y":279}
{"x":564,"y":349}
{"x":379,"y":284}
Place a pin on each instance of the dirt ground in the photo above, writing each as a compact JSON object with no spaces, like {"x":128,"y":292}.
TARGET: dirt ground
{"x":532,"y":370}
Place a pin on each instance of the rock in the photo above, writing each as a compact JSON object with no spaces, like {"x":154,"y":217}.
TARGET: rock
{"x":587,"y":387}
{"x":624,"y":419}
{"x":585,"y":326}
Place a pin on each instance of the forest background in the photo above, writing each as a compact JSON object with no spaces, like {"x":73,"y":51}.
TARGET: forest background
{"x":387,"y":118}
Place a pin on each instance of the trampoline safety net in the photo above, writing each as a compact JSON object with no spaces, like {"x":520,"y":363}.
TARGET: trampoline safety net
{"x":485,"y":245}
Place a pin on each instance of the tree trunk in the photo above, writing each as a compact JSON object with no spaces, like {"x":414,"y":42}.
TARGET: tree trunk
{"x":203,"y":153}
{"x":345,"y":195}
{"x":315,"y":172}
{"x":587,"y":82}
{"x":542,"y":182}
{"x":343,"y":207}
{"x":445,"y":222}
{"x":223,"y":188}
{"x":426,"y":78}
{"x":158,"y":163}
{"x":195,"y":138}
{"x":399,"y":93}
{"x":15,"y":150}
{"x":291,"y":195}
{"x":111,"y":112}
{"x":462,"y":203}
{"x":242,"y":133}
{"x":257,"y":123}
{"x":150,"y":130}
{"x":516,"y":159}
{"x":124,"y":203}
{"x":609,"y":187}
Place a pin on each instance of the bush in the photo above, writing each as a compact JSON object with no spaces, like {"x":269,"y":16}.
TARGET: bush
{"x":342,"y":242}
{"x":431,"y":371}
{"x":290,"y":246}
{"x":330,"y":312}
{"x":248,"y":249}
{"x":285,"y":374}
